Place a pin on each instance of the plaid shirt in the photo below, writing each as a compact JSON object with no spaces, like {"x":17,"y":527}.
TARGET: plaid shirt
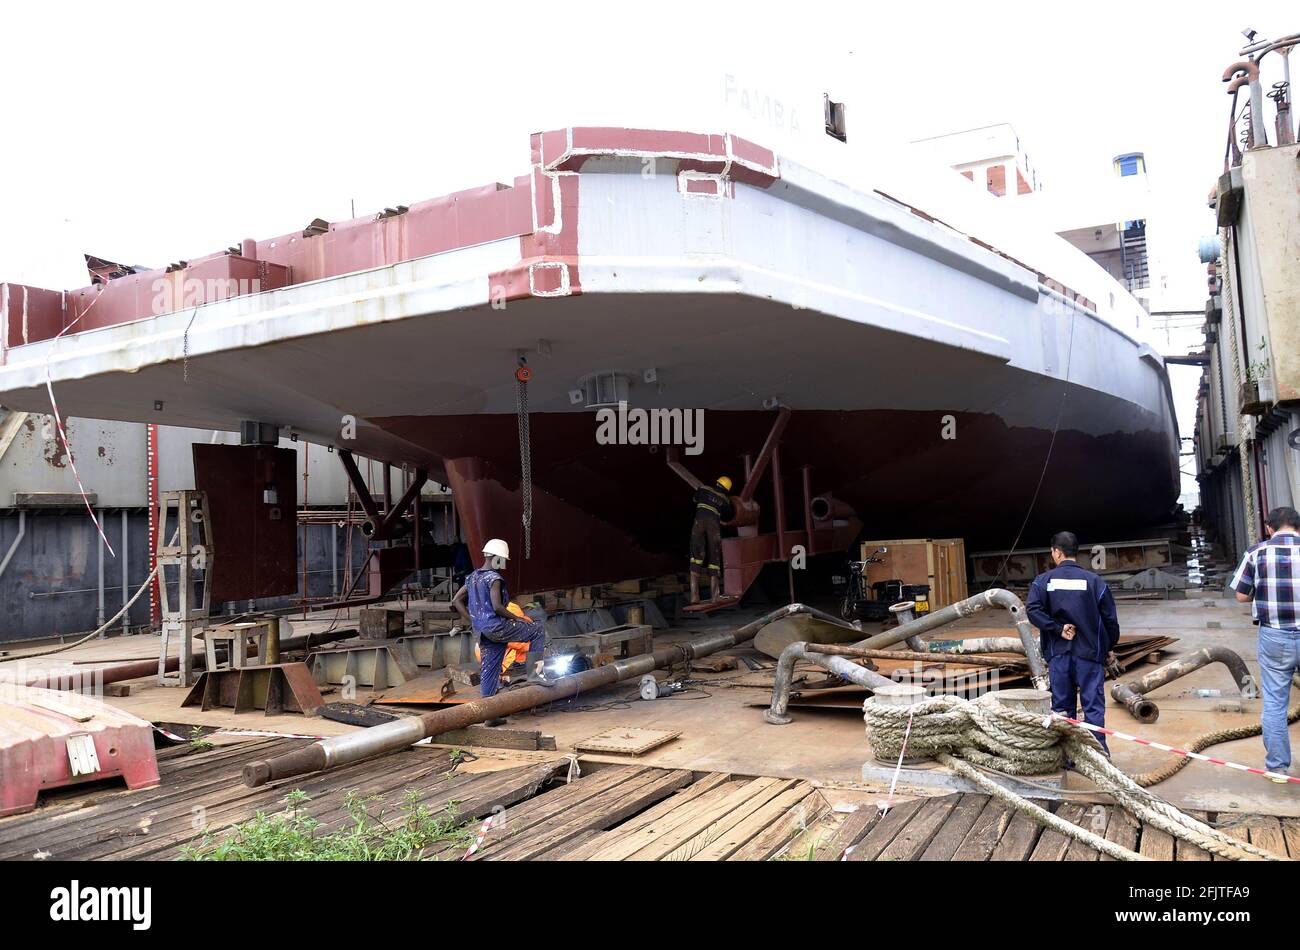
{"x":1271,"y":572}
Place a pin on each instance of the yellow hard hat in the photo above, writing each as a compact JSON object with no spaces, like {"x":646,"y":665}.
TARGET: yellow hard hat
{"x":725,"y":482}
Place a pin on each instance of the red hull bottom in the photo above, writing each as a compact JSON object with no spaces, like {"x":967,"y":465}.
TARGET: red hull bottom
{"x":609,"y":512}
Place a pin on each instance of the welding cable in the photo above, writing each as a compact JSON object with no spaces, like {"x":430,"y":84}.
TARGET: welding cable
{"x":95,"y":633}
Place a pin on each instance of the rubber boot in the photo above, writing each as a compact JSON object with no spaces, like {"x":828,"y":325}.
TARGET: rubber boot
{"x":695,"y":588}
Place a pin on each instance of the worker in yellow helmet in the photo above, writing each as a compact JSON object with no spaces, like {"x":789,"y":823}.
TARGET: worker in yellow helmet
{"x":712,"y":507}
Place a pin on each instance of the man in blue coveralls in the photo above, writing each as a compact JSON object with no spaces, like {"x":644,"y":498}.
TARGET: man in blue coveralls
{"x":482,"y":603}
{"x":1075,"y":613}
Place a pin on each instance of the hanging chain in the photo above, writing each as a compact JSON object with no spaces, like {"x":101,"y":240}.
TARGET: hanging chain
{"x":522,"y":375}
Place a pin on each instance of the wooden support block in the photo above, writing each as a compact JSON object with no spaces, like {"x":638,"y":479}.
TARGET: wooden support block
{"x":119,"y":690}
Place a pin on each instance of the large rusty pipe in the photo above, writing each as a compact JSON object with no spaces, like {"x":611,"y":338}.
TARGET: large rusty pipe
{"x":342,"y":750}
{"x":1133,"y":695}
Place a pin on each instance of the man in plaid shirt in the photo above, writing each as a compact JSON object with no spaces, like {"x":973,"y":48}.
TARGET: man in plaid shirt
{"x":1269,"y":577}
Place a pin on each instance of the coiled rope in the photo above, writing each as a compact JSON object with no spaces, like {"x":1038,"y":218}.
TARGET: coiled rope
{"x":962,"y":734}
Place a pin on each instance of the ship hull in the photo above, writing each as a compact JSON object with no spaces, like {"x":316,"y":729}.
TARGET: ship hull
{"x":936,"y":385}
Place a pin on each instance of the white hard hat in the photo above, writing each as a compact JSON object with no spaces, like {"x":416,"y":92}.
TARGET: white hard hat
{"x":497,"y":548}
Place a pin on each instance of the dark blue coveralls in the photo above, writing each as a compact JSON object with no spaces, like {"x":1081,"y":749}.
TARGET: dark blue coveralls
{"x":1069,"y":594}
{"x":495,"y":632}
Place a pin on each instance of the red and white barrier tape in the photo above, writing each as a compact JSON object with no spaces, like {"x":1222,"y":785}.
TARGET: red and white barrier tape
{"x":1168,"y":748}
{"x":482,"y":833}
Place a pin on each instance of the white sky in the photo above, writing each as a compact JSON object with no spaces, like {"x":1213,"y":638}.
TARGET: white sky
{"x":154,"y":132}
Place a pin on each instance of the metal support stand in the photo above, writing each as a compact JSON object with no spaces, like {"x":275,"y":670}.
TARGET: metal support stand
{"x":189,"y":555}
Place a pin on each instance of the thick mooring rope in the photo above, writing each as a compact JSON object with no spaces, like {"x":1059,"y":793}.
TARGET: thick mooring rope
{"x":1203,"y":742}
{"x":963,"y":733}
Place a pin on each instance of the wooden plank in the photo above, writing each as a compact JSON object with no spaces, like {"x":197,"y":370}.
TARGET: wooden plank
{"x":1121,"y":828}
{"x":846,"y":833}
{"x":623,"y":847}
{"x":1266,"y":833}
{"x":732,"y":840}
{"x":563,"y":852}
{"x":1185,"y":850}
{"x":484,"y":791}
{"x":663,"y":845}
{"x":883,"y":831}
{"x":985,"y":833}
{"x":769,"y":842}
{"x":1018,"y":840}
{"x":949,"y":837}
{"x":596,"y":814}
{"x":1156,"y":844}
{"x":920,"y":831}
{"x":1095,"y":818}
{"x":625,"y":740}
{"x":178,"y":826}
{"x":722,"y":824}
{"x":1053,"y":844}
{"x":516,"y":820}
{"x":653,"y":815}
{"x":1291,"y":833}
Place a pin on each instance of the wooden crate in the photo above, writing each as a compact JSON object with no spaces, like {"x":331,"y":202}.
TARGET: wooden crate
{"x":939,"y":562}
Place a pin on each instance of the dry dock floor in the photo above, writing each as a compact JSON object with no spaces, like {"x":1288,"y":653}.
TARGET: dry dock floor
{"x":724,"y":740}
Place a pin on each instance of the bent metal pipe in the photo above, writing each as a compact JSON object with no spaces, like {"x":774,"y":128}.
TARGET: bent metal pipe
{"x":777,"y":713}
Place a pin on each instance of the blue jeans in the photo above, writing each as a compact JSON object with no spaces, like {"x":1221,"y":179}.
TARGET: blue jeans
{"x":1072,"y":676}
{"x":493,"y":647}
{"x":1279,"y":658}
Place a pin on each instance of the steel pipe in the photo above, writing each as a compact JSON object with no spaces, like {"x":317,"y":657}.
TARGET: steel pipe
{"x":1133,"y":695}
{"x":908,"y":632}
{"x":841,"y":649}
{"x":777,"y":714}
{"x":997,"y":597}
{"x":976,"y":645}
{"x":342,"y":750}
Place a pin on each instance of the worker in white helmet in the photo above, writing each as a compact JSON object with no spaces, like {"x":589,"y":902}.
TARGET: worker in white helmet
{"x":482,"y":604}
